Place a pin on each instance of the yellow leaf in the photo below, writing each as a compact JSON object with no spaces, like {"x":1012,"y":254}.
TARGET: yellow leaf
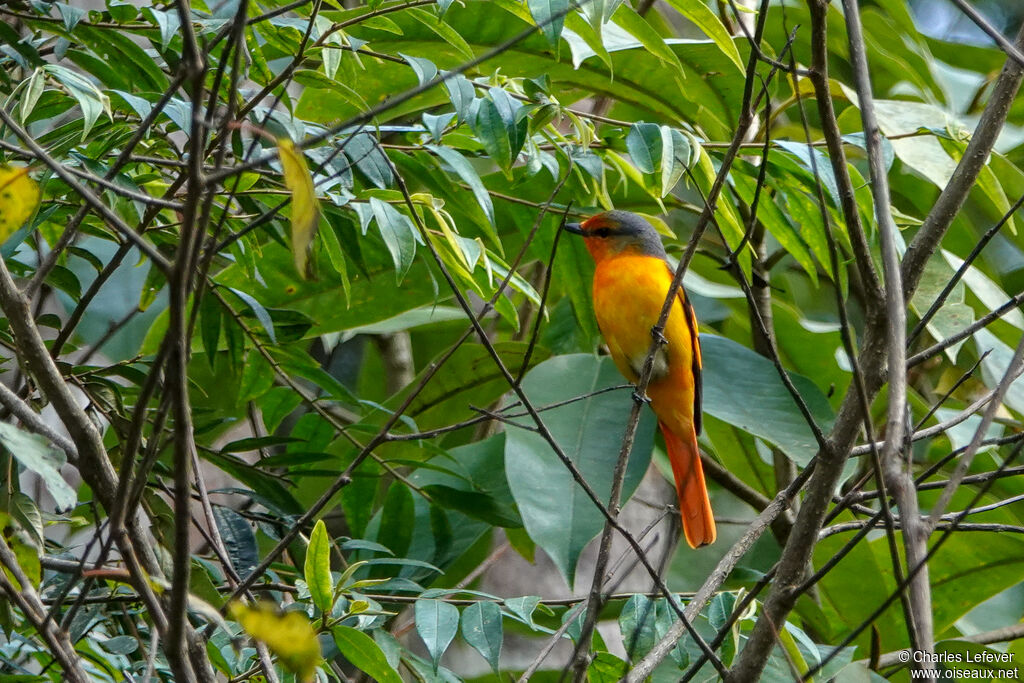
{"x":305,"y":209}
{"x":289,"y":635}
{"x":19,"y":196}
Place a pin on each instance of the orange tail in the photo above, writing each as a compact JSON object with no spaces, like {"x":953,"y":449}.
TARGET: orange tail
{"x":683,"y":453}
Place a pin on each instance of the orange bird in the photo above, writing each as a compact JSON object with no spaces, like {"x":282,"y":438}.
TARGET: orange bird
{"x":631,"y":282}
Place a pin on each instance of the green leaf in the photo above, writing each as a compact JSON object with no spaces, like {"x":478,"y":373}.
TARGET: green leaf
{"x":469,"y":175}
{"x":168,"y":22}
{"x":424,"y":68}
{"x":606,"y":668}
{"x":64,"y":279}
{"x":637,"y":622}
{"x":444,"y":31}
{"x":371,"y":301}
{"x":117,"y":49}
{"x":493,"y":133}
{"x":732,"y":370}
{"x":821,"y":164}
{"x":257,"y":377}
{"x":209,"y":325}
{"x":708,"y":22}
{"x":317,"y":569}
{"x":27,"y":55}
{"x":574,"y":269}
{"x":475,"y":471}
{"x":71,"y":15}
{"x":550,"y":17}
{"x":720,"y":609}
{"x":462,"y":95}
{"x":953,"y":316}
{"x":643,"y":88}
{"x":436,"y":124}
{"x":664,"y":622}
{"x":24,"y":511}
{"x":991,"y":294}
{"x":976,"y":566}
{"x":259,"y":311}
{"x":239,"y":540}
{"x":923,"y":153}
{"x":36,"y":455}
{"x":363,"y":151}
{"x":121,"y":645}
{"x":89,"y":98}
{"x":585,"y":40}
{"x":381,"y":23}
{"x":365,"y":654}
{"x":470,"y":378}
{"x":995,"y":365}
{"x":399,"y":235}
{"x":675,"y":157}
{"x":34,"y":85}
{"x":644,"y":145}
{"x":745,"y":182}
{"x":626,"y":17}
{"x":336,"y":257}
{"x":482,"y":629}
{"x":523,"y":608}
{"x":474,"y":504}
{"x":805,"y":214}
{"x":557,"y":513}
{"x":437,"y":622}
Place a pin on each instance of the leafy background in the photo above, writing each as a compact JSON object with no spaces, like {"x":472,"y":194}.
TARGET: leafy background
{"x":426,"y":153}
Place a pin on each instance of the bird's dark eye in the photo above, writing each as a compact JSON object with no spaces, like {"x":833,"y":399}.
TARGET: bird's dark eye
{"x":603,"y":232}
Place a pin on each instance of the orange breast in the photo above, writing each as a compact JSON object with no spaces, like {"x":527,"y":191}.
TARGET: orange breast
{"x":629,"y":292}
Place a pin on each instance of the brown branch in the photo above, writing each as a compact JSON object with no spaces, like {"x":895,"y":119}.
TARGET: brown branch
{"x":180,"y":652}
{"x":31,"y":419}
{"x":721,"y":572}
{"x":1013,"y":370}
{"x":896,"y":469}
{"x":981,"y":322}
{"x":32,"y":608}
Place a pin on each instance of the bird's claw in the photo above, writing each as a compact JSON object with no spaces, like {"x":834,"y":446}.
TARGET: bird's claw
{"x":640,"y":398}
{"x":657,"y":335}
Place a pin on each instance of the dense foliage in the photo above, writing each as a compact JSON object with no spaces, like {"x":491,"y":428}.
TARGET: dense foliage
{"x":295,"y":351}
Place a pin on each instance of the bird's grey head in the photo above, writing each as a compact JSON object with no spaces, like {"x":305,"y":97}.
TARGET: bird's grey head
{"x":615,"y":231}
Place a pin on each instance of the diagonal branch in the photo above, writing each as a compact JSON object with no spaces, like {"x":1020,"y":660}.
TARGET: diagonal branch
{"x":1013,"y":370}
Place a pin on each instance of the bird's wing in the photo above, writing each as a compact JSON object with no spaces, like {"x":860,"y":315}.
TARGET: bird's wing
{"x":697,"y":363}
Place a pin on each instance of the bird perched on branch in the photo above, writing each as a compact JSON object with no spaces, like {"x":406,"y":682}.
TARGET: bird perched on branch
{"x":631,"y":283}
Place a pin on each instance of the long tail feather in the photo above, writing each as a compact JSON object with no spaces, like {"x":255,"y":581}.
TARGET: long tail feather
{"x":684,"y":454}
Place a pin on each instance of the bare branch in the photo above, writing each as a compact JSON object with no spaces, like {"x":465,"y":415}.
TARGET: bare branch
{"x":26,"y":598}
{"x":1013,"y":370}
{"x":896,"y":469}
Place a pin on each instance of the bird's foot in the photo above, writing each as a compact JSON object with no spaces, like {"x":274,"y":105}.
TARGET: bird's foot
{"x":639,"y":398}
{"x":658,"y":336}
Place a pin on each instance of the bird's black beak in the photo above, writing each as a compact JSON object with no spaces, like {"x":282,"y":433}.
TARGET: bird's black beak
{"x":574,"y":228}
